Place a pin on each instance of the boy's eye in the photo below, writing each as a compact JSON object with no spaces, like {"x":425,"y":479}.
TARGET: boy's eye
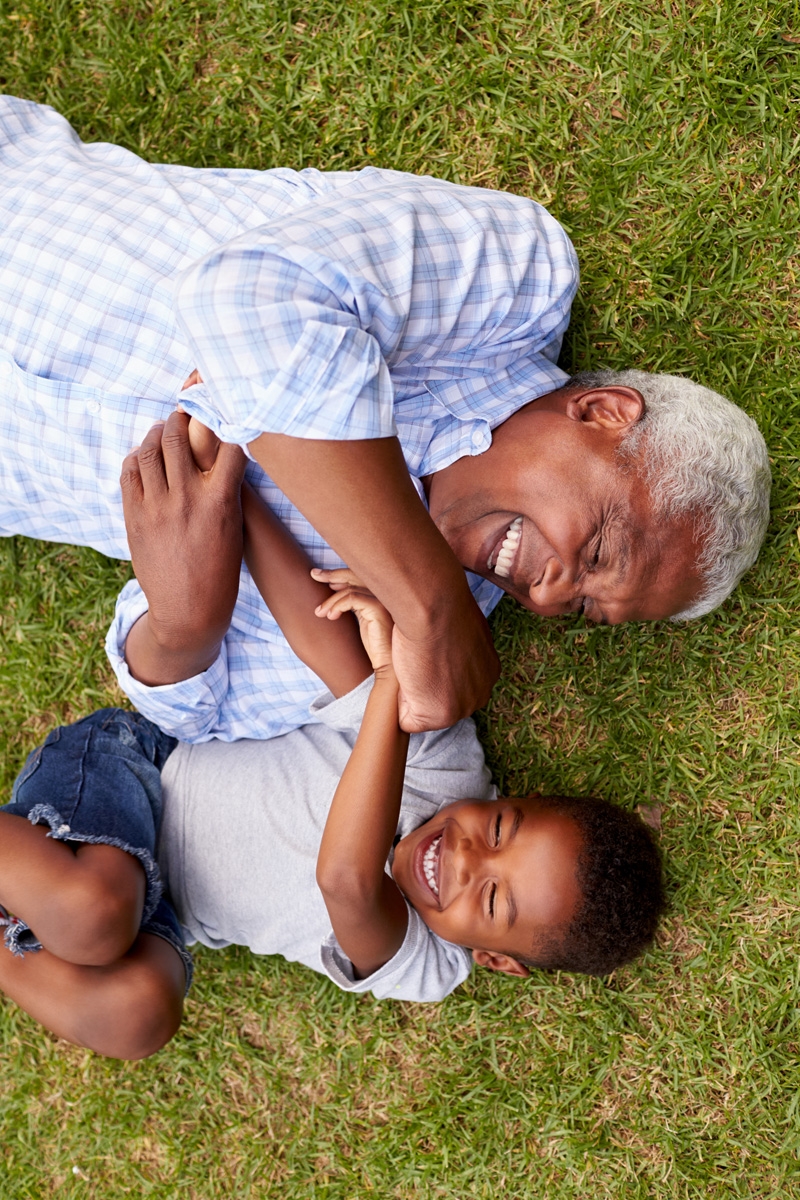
{"x":492,"y":895}
{"x":497,"y":825}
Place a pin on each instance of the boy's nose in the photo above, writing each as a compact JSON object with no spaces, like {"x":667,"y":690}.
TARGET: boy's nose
{"x":464,"y":861}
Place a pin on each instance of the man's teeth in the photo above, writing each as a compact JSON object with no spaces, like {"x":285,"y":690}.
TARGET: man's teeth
{"x":428,"y":864}
{"x":508,"y":549}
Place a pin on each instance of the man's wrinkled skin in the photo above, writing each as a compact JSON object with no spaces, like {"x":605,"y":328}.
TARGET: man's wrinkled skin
{"x":588,"y":540}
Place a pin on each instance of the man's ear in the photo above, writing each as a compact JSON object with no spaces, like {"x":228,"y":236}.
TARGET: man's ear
{"x":500,"y":962}
{"x":614,"y":407}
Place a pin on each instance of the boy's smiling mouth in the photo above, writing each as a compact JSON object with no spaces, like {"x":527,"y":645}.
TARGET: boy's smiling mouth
{"x":430,"y":865}
{"x":426,"y":866}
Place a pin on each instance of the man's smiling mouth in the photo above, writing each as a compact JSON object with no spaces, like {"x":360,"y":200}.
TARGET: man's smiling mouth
{"x":501,"y":560}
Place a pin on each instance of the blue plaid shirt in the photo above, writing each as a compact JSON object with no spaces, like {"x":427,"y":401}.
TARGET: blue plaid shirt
{"x":340,"y":305}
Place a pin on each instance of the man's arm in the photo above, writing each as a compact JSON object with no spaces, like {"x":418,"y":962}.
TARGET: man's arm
{"x":366,"y":908}
{"x":358,"y":495}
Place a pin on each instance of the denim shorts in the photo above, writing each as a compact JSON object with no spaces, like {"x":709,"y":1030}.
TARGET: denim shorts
{"x":99,"y":781}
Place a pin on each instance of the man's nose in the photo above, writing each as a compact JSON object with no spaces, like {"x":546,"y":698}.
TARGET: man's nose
{"x":555,"y":591}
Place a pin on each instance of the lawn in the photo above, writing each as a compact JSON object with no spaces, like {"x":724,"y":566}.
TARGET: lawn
{"x":665,"y":137}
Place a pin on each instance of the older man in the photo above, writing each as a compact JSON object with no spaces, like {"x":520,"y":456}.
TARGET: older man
{"x":374,"y":339}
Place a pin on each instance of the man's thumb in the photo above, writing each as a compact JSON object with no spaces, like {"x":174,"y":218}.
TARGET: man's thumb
{"x":230,"y":464}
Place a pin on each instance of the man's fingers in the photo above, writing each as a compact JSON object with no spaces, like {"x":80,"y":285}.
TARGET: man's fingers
{"x":179,"y":464}
{"x":151,"y":462}
{"x":130,"y":480}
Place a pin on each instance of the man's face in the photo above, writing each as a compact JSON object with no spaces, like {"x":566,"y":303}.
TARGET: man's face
{"x":548,"y":514}
{"x":498,"y":877}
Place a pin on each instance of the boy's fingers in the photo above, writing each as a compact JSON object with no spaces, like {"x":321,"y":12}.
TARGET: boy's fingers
{"x":338,"y":577}
{"x":194,"y":378}
{"x":204,"y":444}
{"x":349,"y":600}
{"x":338,"y":603}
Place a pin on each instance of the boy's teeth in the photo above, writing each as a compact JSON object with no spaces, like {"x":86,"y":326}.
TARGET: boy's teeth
{"x":506,"y":553}
{"x":428,"y":861}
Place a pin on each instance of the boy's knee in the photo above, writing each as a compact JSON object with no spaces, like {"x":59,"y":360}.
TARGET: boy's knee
{"x":99,"y":918}
{"x":142,"y":1013}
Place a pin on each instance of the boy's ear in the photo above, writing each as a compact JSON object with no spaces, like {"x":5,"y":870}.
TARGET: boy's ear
{"x":500,"y":962}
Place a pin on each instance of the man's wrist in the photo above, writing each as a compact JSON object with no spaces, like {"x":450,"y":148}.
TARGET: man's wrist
{"x":156,"y":658}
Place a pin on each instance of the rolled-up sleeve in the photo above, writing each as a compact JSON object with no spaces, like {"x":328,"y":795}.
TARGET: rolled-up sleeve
{"x":190,"y":709}
{"x":316,"y":323}
{"x":279,"y":352}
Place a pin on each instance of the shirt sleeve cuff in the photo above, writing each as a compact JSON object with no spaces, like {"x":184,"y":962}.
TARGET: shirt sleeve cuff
{"x":334,"y":386}
{"x":188,"y":710}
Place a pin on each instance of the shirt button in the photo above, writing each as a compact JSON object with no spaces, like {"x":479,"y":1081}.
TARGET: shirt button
{"x":93,"y":407}
{"x":6,"y":370}
{"x":478,"y":437}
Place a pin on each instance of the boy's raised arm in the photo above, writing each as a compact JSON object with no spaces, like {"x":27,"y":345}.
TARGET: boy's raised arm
{"x":281,"y":572}
{"x":366,"y":908}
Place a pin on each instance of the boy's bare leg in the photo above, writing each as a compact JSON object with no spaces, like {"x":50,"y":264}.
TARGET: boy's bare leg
{"x":84,"y":905}
{"x":128,"y":1009}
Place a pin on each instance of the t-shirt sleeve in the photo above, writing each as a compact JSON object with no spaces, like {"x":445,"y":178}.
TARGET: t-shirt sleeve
{"x":425,"y":968}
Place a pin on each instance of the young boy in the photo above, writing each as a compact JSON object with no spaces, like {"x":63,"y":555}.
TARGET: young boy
{"x":257,"y":845}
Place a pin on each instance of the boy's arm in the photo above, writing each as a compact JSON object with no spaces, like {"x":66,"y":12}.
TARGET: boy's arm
{"x":366,"y":908}
{"x":281,"y":572}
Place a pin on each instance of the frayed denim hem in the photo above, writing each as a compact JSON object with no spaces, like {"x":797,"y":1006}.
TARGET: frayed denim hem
{"x":16,"y":930}
{"x":19,"y":938}
{"x":164,"y":931}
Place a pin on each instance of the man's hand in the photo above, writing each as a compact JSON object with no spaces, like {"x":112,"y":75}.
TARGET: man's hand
{"x":436,"y":675}
{"x":430,"y":671}
{"x":184,"y":530}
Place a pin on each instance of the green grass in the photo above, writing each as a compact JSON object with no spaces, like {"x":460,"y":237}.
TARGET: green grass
{"x":665,"y":137}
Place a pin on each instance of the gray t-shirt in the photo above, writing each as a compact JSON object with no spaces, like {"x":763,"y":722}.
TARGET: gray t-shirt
{"x":241,"y":831}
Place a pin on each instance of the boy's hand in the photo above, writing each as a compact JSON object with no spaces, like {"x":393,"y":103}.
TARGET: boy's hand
{"x":374,"y":623}
{"x":339,"y":578}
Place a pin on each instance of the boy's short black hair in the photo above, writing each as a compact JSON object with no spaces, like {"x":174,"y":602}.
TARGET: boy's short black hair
{"x":621,"y":881}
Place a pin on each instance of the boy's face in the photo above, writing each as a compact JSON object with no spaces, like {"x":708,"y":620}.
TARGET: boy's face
{"x":498,"y":877}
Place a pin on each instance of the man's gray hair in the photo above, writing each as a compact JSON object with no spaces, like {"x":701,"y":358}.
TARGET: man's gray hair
{"x":700,"y":456}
